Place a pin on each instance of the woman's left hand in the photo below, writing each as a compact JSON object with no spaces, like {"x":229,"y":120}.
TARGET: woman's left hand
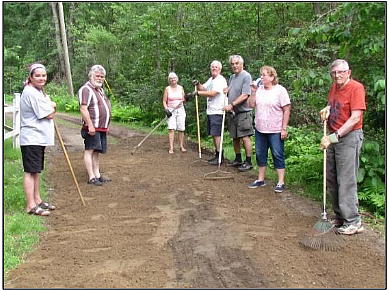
{"x":284,"y":134}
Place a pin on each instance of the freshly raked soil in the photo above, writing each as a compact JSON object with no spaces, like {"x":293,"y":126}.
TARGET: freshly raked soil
{"x":160,"y":224}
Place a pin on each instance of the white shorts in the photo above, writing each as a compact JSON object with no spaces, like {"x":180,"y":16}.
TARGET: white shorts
{"x":177,"y":120}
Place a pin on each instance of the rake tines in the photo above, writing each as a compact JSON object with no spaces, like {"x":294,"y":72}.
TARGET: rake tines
{"x":329,"y":240}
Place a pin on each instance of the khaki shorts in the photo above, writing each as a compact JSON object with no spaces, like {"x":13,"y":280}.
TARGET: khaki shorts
{"x":240,"y":125}
{"x":177,"y":120}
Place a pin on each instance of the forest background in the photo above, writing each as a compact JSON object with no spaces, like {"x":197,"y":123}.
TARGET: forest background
{"x":140,"y":43}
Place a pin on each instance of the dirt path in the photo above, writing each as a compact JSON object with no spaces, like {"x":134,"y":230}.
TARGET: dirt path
{"x":159,"y":224}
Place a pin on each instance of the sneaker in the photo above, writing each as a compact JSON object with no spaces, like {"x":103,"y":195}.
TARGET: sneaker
{"x":256,"y":184}
{"x":337,"y":222}
{"x":212,"y":159}
{"x":279,"y":188}
{"x":95,"y":181}
{"x":351,"y":229}
{"x":234,"y":163}
{"x":104,"y":179}
{"x":216,"y":161}
{"x":245,"y":167}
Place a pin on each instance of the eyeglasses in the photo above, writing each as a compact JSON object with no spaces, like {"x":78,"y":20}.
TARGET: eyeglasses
{"x":338,"y":72}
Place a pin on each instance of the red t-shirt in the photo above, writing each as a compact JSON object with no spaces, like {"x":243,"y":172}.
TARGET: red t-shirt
{"x":342,"y":101}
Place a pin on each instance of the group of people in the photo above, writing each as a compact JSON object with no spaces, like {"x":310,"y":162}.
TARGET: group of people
{"x":235,"y":100}
{"x":238,"y":98}
{"x":37,"y":112}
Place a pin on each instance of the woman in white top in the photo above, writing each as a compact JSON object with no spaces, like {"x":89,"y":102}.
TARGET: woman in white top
{"x":36,"y":132}
{"x":272,"y":110}
{"x":173,"y":102}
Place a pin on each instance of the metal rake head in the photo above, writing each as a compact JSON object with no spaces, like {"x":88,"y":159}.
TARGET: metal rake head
{"x":218,"y":174}
{"x":326,"y":241}
{"x":323,"y":225}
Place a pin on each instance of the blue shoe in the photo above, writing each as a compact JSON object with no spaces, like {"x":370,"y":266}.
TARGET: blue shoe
{"x":279,"y":188}
{"x":256,"y":184}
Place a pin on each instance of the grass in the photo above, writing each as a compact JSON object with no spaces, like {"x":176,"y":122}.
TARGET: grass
{"x":21,"y":231}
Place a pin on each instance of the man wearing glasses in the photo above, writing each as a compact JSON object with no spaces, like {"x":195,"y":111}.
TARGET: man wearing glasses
{"x":346,"y":104}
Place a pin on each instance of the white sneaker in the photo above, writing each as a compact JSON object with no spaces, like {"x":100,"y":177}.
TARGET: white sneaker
{"x":351,"y":229}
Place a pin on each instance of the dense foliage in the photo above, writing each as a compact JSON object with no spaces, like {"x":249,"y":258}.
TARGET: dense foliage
{"x":140,"y":42}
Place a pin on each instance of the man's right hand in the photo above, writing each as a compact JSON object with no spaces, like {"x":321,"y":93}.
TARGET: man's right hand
{"x":168,"y":113}
{"x":189,"y":96}
{"x":324,"y":113}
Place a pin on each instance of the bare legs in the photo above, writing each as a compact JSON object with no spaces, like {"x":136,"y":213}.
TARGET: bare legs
{"x":171,"y":141}
{"x":91,"y":160}
{"x":246,"y":143}
{"x":180,"y":140}
{"x":280,"y":173}
{"x":31,"y":189}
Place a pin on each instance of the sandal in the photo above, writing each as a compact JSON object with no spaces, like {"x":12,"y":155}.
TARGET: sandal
{"x":46,"y":205}
{"x":171,"y":151}
{"x":104,"y":179}
{"x":183,"y":150}
{"x":39,"y":211}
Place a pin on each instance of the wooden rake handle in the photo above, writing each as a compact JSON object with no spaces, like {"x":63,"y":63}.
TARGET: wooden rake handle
{"x":324,"y":172}
{"x":68,"y":160}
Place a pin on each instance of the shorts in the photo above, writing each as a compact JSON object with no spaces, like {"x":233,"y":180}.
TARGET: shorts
{"x":98,"y":142}
{"x":240,"y":125}
{"x":264,"y":141}
{"x":177,"y":120}
{"x":214,"y":124}
{"x":33,"y":157}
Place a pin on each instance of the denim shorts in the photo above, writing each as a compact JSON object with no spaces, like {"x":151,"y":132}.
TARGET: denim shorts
{"x":97,"y":142}
{"x":214,"y":124}
{"x":264,"y":141}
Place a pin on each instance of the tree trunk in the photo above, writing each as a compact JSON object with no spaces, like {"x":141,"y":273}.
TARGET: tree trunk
{"x":65,"y":48}
{"x":58,"y":40}
{"x":316,"y":8}
{"x":72,"y":10}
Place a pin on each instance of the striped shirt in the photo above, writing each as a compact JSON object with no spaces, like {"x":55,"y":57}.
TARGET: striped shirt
{"x":99,"y":106}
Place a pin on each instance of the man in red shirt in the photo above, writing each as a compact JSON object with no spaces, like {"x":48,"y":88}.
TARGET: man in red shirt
{"x":346,"y":104}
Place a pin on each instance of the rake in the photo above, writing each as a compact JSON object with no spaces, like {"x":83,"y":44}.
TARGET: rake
{"x":324,"y":235}
{"x":68,"y":161}
{"x":136,"y":147}
{"x":220,"y":174}
{"x":198,"y":130}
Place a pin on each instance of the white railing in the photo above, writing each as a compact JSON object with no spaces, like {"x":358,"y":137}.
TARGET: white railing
{"x":15,"y":130}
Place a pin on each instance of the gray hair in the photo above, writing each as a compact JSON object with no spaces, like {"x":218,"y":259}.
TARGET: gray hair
{"x":172,"y":75}
{"x":96,"y":68}
{"x":340,"y":62}
{"x":217,"y":63}
{"x":236,"y":56}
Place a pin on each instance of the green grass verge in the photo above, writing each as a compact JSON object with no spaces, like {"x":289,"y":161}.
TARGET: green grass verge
{"x":21,"y":231}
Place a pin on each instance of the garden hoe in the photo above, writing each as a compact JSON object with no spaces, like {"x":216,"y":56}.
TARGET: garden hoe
{"x":68,"y":160}
{"x":324,"y":235}
{"x":220,"y":174}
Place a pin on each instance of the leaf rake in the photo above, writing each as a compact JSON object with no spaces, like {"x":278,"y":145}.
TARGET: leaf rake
{"x":324,"y":235}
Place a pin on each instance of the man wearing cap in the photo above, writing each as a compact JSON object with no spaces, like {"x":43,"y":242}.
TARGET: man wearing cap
{"x":95,"y":109}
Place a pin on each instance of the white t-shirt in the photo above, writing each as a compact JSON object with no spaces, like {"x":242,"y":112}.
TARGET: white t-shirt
{"x":216,"y":104}
{"x":268,"y":105}
{"x":35,"y":128}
